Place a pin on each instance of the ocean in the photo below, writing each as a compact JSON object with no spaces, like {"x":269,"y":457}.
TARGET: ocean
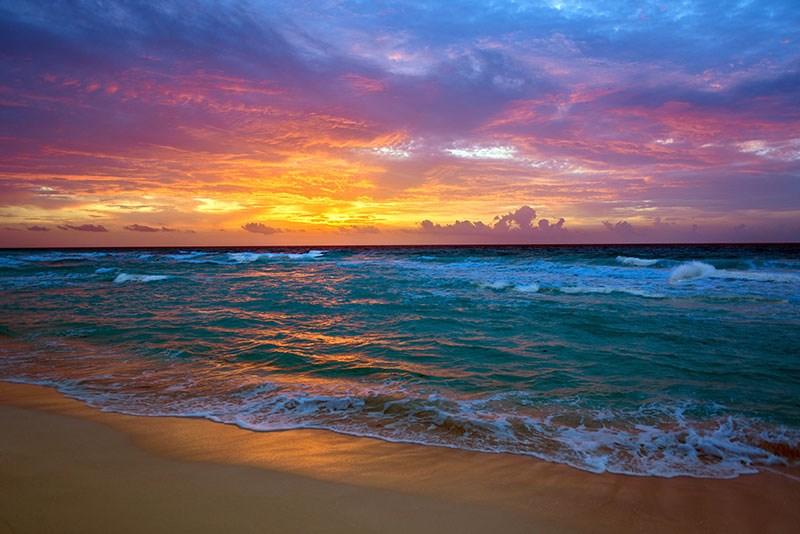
{"x":645,"y":360}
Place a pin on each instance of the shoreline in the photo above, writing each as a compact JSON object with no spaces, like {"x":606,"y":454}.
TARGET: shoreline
{"x":69,"y":468}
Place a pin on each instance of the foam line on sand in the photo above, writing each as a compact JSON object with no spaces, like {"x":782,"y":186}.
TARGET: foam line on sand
{"x":66,"y":467}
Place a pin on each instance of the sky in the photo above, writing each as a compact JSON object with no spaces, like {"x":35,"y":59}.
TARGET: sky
{"x":165,"y":123}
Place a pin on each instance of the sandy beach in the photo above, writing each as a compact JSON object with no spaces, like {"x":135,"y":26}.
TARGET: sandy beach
{"x":67,"y":467}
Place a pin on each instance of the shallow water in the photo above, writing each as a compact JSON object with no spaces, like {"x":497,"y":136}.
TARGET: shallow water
{"x":658,"y":360}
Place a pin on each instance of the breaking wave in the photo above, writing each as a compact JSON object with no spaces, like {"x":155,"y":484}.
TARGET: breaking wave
{"x":123,"y":278}
{"x":696,"y":269}
{"x":638,"y":262}
{"x":250,"y":257}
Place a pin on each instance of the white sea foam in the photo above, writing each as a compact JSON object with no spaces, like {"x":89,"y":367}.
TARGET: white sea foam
{"x":651,"y":440}
{"x":104,"y":270}
{"x":244,"y":257}
{"x":724,"y":451}
{"x":638,"y":262}
{"x":691,"y":271}
{"x":123,"y":278}
{"x":495,"y":284}
{"x":527,"y":288}
{"x":696,"y":269}
{"x":250,"y":257}
{"x":724,"y":448}
{"x":187,"y":256}
{"x":310,"y":255}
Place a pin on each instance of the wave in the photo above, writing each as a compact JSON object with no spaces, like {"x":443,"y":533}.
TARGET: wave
{"x":605,"y":290}
{"x":638,"y":262}
{"x":187,"y":255}
{"x":65,"y":256}
{"x":528,"y":288}
{"x":123,"y":278}
{"x":616,"y":443}
{"x":250,"y":257}
{"x":10,"y":263}
{"x":41,"y":280}
{"x":495,"y":284}
{"x":244,"y":257}
{"x":691,"y":271}
{"x":694,"y":270}
{"x":652,"y":440}
{"x":499,"y":285}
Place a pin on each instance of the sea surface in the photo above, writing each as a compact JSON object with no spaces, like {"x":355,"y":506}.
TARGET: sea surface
{"x":646,"y":360}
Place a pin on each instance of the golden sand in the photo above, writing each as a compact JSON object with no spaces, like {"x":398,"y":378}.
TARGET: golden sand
{"x":66,"y":467}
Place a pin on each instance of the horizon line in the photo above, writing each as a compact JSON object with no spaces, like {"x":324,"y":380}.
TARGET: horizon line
{"x":422,"y":245}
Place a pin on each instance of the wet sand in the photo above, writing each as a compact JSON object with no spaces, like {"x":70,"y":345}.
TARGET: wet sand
{"x":66,"y":467}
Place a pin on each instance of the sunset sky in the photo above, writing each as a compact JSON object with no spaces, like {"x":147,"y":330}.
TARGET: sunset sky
{"x":354,"y":122}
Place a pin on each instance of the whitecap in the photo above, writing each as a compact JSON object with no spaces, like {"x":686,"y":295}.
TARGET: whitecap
{"x":311,"y":254}
{"x":187,"y":256}
{"x":495,"y":284}
{"x":527,"y":288}
{"x":697,"y":269}
{"x":638,"y":262}
{"x":244,"y":257}
{"x":250,"y":257}
{"x":125,"y":277}
{"x":691,"y":271}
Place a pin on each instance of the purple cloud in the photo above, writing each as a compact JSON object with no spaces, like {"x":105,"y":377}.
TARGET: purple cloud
{"x":516,"y":225}
{"x":85,"y":228}
{"x":261,"y":228}
{"x":38,"y":229}
{"x":140,"y":228}
{"x":144,"y":228}
{"x":621,"y":227}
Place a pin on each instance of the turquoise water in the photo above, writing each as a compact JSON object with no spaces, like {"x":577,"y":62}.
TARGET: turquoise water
{"x":658,"y":360}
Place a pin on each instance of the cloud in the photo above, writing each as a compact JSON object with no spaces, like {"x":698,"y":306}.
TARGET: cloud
{"x":477,"y":152}
{"x":514,"y":225}
{"x":620,"y":228}
{"x":363,"y":84}
{"x":458,"y":227}
{"x":85,"y":228}
{"x":521,"y":219}
{"x":143,"y":228}
{"x":624,"y":232}
{"x":545,"y":226}
{"x":140,"y":228}
{"x":38,"y":229}
{"x":261,"y":228}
